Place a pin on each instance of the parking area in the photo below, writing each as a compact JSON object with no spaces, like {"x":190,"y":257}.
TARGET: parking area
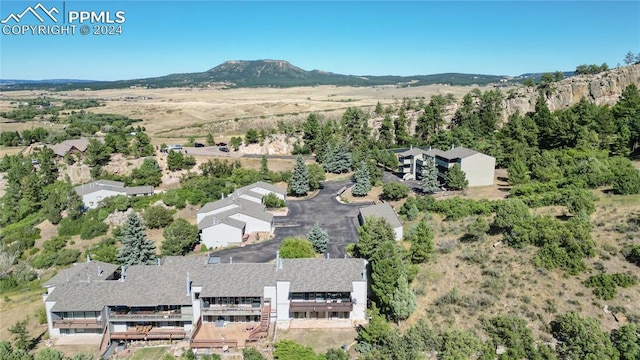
{"x":337,"y":219}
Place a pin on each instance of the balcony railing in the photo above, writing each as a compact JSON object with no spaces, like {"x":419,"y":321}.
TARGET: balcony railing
{"x":231,"y":310}
{"x":150,"y":317}
{"x":77,"y":324}
{"x":300,"y":305}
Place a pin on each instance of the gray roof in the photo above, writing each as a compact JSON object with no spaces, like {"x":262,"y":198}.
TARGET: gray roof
{"x":116,"y":186}
{"x":232,"y":199}
{"x":209,"y":221}
{"x":80,"y":272}
{"x":331,"y":275}
{"x":434,"y":152}
{"x":412,"y":152}
{"x":264,"y":185}
{"x":244,"y":206}
{"x":382,"y":210}
{"x":458,"y":153}
{"x":62,"y":148}
{"x":139,"y":190}
{"x":141,"y":285}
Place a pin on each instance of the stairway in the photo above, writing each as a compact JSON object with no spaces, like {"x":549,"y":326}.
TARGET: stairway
{"x":263,"y":329}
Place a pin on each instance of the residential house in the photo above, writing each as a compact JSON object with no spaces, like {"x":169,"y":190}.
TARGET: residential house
{"x":96,"y":191}
{"x":407,"y":161}
{"x":187,"y":298}
{"x":70,"y":146}
{"x":230,"y":220}
{"x":385,"y":211}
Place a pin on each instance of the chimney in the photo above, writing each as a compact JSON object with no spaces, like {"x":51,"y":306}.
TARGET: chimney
{"x":123,"y":272}
{"x":280,"y":263}
{"x":88,"y":258}
{"x":206,"y":259}
{"x":452,"y":146}
{"x":327,"y":255}
{"x":215,"y":221}
{"x":88,"y":278}
{"x":230,"y":259}
{"x":158,"y":261}
{"x":99,"y":271}
{"x":188,"y":284}
{"x":221,"y":196}
{"x":277,"y":259}
{"x":411,"y":147}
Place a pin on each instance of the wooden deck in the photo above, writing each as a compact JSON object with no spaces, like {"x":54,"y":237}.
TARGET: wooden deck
{"x":231,"y":335}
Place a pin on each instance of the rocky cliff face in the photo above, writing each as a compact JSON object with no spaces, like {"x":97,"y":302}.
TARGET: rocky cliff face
{"x":603,"y":88}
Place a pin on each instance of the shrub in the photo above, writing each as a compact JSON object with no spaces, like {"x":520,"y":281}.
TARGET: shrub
{"x":395,"y":191}
{"x":92,"y":228}
{"x":272,"y":201}
{"x":293,"y":248}
{"x":604,"y":285}
{"x":157,"y":217}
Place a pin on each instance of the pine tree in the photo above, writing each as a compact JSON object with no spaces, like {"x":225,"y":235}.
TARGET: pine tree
{"x":264,"y":168}
{"x":518,"y":173}
{"x":210,"y":140}
{"x":385,"y":133}
{"x":21,"y":339}
{"x":404,"y":300}
{"x":319,"y":239}
{"x":312,"y":131}
{"x":299,"y":185}
{"x":338,"y":160}
{"x":429,"y":182}
{"x":421,"y":239}
{"x":456,"y":178}
{"x":135,"y":249}
{"x":363,"y":180}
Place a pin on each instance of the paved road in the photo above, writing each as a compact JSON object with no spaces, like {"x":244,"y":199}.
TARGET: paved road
{"x":338,"y":220}
{"x":213,"y":151}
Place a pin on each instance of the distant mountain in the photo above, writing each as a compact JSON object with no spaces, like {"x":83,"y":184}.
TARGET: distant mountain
{"x":537,"y":76}
{"x":264,"y":73}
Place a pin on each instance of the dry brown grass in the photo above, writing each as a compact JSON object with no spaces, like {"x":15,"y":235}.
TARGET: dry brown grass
{"x":508,"y":281}
{"x":320,"y":340}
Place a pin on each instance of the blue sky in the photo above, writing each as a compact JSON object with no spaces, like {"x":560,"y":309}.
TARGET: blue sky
{"x":356,"y":37}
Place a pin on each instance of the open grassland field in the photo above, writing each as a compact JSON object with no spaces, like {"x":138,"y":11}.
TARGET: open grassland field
{"x":181,"y":112}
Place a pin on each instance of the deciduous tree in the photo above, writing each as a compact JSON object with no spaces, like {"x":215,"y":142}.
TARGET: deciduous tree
{"x":179,"y":238}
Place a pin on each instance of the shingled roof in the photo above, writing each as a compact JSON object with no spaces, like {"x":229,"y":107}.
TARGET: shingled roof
{"x":166,"y":283}
{"x":458,"y":153}
{"x":382,"y":210}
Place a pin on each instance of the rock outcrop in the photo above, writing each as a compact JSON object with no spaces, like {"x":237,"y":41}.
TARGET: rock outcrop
{"x":602,"y":88}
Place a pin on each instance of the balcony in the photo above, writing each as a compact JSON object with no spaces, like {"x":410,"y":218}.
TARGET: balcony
{"x":141,"y":333}
{"x":329,"y":305}
{"x":77,"y":324}
{"x":231,"y":310}
{"x":150,"y":316}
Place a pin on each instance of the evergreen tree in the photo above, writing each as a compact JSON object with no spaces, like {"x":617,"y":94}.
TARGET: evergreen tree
{"x":385,"y":133}
{"x":149,"y":173}
{"x":264,"y":167}
{"x":97,"y":153}
{"x":135,"y":249}
{"x":421,"y":239}
{"x":210,"y":140}
{"x":339,"y":160}
{"x":175,"y":160}
{"x":311,"y":128}
{"x":456,"y":178}
{"x":319,"y":239}
{"x":362,"y":179}
{"x":404,"y":300}
{"x":400,"y":129}
{"x":518,"y":173}
{"x":378,"y":110}
{"x":299,"y":185}
{"x":429,"y":182}
{"x":21,"y":339}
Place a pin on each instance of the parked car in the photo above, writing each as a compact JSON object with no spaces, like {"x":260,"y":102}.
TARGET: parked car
{"x":223,"y":149}
{"x":198,"y":144}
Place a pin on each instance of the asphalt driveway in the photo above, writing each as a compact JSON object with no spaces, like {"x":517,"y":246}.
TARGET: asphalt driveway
{"x":337,"y":219}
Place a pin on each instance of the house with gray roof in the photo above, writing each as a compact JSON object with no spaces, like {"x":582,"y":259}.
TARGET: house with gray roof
{"x":385,"y":211}
{"x":70,"y":146}
{"x":230,"y":220}
{"x":179,"y":297}
{"x":94,"y":192}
